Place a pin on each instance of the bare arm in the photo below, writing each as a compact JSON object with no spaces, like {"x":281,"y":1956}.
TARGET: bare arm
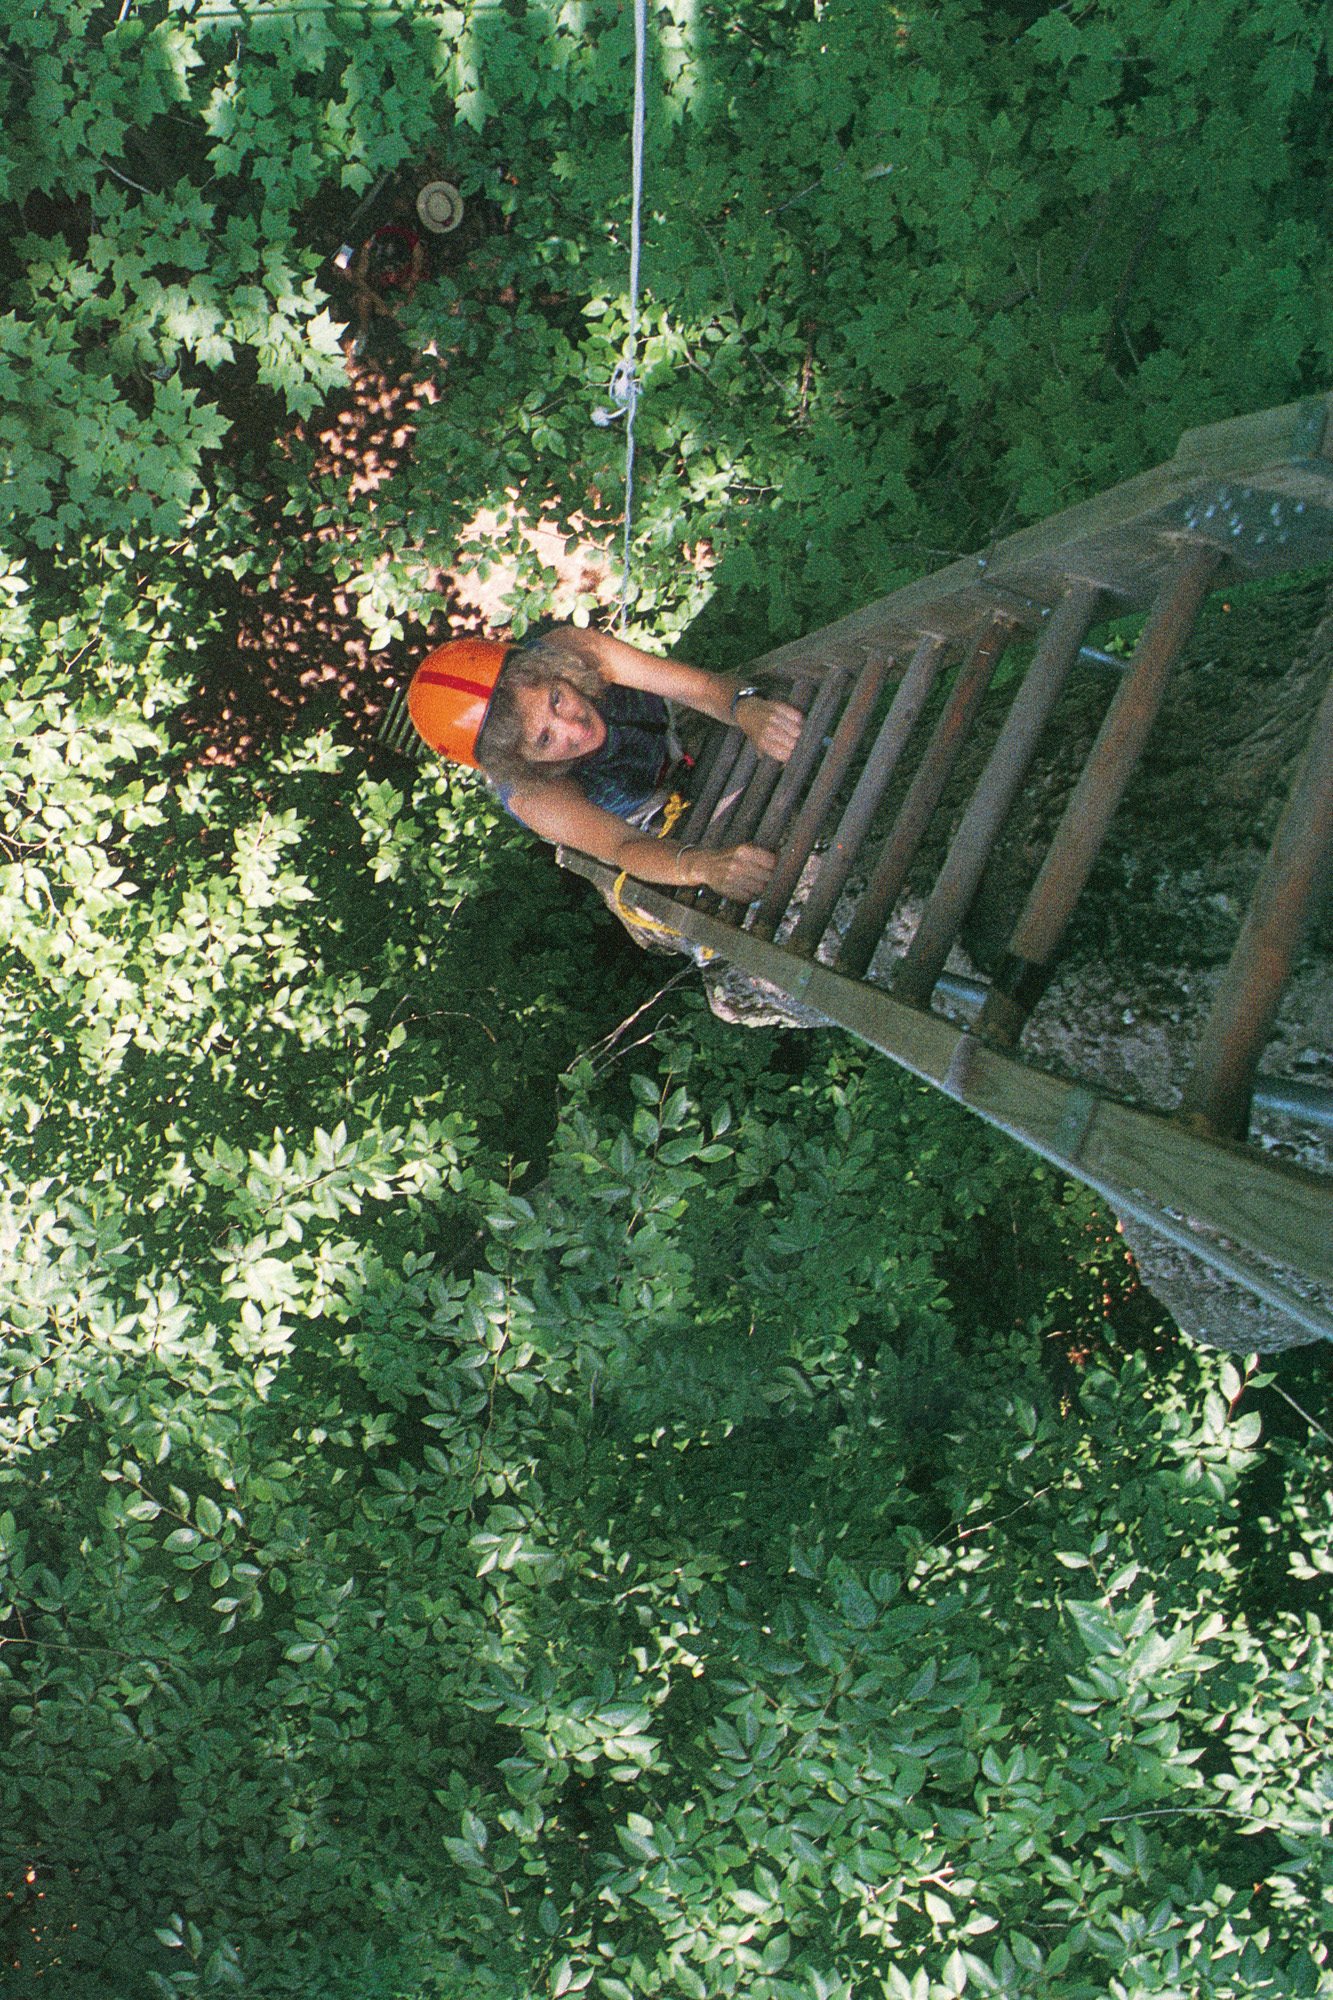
{"x":772,"y":726}
{"x":559,"y":812}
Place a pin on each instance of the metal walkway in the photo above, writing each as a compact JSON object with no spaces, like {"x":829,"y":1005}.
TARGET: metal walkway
{"x":1240,"y":500}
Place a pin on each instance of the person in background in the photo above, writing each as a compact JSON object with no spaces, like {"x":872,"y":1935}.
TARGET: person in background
{"x":575,"y":732}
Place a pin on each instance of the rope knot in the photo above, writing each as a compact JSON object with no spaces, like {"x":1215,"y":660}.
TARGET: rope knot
{"x":624,"y":391}
{"x":625,"y":383}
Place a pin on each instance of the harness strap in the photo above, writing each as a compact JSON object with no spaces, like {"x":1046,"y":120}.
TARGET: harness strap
{"x":639,"y":920}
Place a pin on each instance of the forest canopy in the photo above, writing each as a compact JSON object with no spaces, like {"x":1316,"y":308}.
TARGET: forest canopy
{"x":508,"y":1486}
{"x":914,"y":275}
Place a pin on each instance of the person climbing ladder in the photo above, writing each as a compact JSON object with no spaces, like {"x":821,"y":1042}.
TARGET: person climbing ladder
{"x":575,"y":732}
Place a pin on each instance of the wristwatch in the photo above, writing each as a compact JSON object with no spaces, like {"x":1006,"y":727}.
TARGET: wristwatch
{"x":741,"y":694}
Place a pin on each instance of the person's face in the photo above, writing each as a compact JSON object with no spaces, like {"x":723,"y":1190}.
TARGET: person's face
{"x":558,"y":723}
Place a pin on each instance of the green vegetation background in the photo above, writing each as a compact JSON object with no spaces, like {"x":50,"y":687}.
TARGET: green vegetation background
{"x":488,"y":1506}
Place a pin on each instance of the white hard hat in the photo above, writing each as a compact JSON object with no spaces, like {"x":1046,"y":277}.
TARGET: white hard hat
{"x":440,"y":207}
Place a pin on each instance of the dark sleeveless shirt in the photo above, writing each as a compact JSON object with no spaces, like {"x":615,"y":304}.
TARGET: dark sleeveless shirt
{"x":626,"y":769}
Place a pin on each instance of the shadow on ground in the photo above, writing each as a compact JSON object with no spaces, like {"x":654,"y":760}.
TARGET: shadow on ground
{"x":292,"y":645}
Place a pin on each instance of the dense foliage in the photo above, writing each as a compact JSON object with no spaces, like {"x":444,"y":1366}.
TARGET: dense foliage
{"x":669,"y":1569}
{"x":913,"y":274}
{"x":488,"y":1509}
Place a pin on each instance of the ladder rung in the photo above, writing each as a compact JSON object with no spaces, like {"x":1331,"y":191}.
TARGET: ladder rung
{"x":1109,"y":767}
{"x":796,"y":850}
{"x":720,"y":766}
{"x":764,"y":782}
{"x":894,"y":733}
{"x":1246,"y":1003}
{"x":1015,"y":747}
{"x":718,"y":833}
{"x":881,"y":892}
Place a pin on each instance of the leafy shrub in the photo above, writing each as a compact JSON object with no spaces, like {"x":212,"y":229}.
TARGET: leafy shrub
{"x":911,"y":277}
{"x":655,"y":1573}
{"x":465,"y":1535}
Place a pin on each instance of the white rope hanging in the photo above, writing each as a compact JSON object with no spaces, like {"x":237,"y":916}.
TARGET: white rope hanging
{"x":625,"y":380}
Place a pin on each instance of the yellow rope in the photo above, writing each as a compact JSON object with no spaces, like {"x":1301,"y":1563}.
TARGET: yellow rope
{"x":671,"y":812}
{"x":639,"y":920}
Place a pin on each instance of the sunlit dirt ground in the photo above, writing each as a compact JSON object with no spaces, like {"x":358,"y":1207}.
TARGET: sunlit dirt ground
{"x":300,"y":649}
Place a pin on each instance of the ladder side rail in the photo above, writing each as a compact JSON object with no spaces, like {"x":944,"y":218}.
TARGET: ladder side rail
{"x":1145,"y":1164}
{"x":1115,"y":538}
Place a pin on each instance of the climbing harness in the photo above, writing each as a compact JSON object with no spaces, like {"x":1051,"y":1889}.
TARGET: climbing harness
{"x":639,"y":920}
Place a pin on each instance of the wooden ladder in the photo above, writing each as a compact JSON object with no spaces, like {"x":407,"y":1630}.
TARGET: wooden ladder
{"x":1240,"y":500}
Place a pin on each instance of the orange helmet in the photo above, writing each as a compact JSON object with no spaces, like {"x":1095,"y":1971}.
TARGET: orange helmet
{"x":450,"y":693}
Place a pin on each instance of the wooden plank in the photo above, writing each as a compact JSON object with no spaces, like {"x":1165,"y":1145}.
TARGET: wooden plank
{"x":1292,"y":432}
{"x":1221,"y":488}
{"x":1139,"y":1161}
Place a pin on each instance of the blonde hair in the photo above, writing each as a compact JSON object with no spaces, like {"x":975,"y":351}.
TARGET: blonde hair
{"x":500,"y":743}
